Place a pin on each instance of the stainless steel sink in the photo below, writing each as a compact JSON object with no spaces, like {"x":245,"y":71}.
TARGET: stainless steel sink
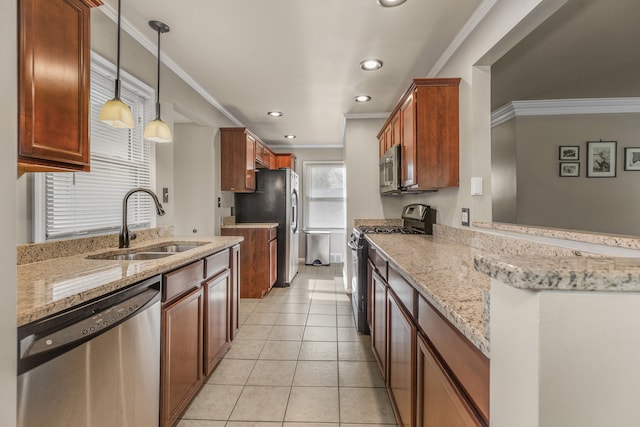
{"x":178,"y":247}
{"x":136,"y":256}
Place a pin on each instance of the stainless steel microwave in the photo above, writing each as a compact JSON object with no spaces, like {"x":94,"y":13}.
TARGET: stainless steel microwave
{"x":390,"y":171}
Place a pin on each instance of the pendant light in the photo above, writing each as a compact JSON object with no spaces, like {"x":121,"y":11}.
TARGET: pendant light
{"x":115,"y":112}
{"x":157,"y":130}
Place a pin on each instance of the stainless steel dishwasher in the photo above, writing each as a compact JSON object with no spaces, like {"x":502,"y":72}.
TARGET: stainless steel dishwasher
{"x":95,"y":365}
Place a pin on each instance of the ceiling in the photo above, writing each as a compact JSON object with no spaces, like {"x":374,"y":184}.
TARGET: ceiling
{"x":301,"y":57}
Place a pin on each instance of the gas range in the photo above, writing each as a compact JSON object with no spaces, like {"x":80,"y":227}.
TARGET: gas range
{"x":388,"y":229}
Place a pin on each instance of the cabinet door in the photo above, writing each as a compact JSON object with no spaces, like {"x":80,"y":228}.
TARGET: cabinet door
{"x":181,"y":357}
{"x":401,"y":360}
{"x":250,"y":163}
{"x":54,"y":105}
{"x":370,"y":293}
{"x":216,"y":332}
{"x":381,"y":144}
{"x":388,"y":138}
{"x":396,"y":129}
{"x":235,"y":291}
{"x":408,"y":138}
{"x":273,"y":262}
{"x":379,"y":329}
{"x":439,"y":403}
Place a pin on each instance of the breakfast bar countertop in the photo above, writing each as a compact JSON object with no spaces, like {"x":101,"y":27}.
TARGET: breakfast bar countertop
{"x":53,"y":285}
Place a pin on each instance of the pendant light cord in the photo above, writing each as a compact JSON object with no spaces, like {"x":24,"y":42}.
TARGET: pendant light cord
{"x":158,"y":89}
{"x":118,"y":55}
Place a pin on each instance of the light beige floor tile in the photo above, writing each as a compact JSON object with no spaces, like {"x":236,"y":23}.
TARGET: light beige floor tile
{"x":349,"y":334}
{"x":365,"y":405}
{"x":261,"y":403}
{"x":245,"y":349}
{"x":317,"y":350}
{"x":213,"y":402}
{"x":293,"y":319}
{"x":232,"y":372}
{"x":261,"y":319}
{"x":342,"y":298}
{"x":325,"y":282}
{"x":367,"y":425}
{"x":272,"y":373}
{"x":360,"y":374}
{"x":321,"y":320}
{"x":304,"y":298}
{"x":253,"y":332}
{"x":272,"y":298}
{"x":346,"y":322}
{"x":316,"y":373}
{"x":280,"y":350}
{"x":313,"y":425}
{"x":200,"y":423}
{"x":320,"y":333}
{"x":322,"y":309}
{"x":295,"y":308}
{"x":268,"y":307}
{"x":320,"y":297}
{"x":313,"y":404}
{"x":286,"y":333}
{"x":344,"y":309}
{"x":253,"y":424}
{"x":356,"y":350}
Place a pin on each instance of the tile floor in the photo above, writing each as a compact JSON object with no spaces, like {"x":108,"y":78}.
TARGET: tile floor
{"x":296,"y":362}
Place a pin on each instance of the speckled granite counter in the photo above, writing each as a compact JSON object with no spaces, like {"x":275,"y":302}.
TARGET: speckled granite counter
{"x":252,"y":225}
{"x":442,"y":272}
{"x":50,"y":286}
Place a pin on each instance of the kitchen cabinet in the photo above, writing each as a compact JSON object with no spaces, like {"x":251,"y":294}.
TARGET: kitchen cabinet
{"x":234,"y":265}
{"x":259,"y":251}
{"x":438,"y":401}
{"x":54,"y":106}
{"x":426,"y":122}
{"x":263,"y":155}
{"x":181,"y":354}
{"x":434,"y":375}
{"x":217,"y":312}
{"x":237,"y":160}
{"x":286,"y":161}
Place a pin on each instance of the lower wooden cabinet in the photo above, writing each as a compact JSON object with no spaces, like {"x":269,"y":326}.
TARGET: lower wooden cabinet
{"x":401,"y":362}
{"x":379,"y":329}
{"x":234,"y":265}
{"x":217,"y":308}
{"x":439,"y":402}
{"x":273,"y":262}
{"x":181,"y":356}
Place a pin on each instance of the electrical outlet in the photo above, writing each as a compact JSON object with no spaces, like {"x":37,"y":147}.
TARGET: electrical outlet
{"x":466,"y":217}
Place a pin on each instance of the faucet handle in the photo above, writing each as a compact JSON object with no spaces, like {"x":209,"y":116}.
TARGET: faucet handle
{"x":132,"y":235}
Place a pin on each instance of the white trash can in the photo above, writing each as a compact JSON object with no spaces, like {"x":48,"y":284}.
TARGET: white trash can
{"x":318,"y":247}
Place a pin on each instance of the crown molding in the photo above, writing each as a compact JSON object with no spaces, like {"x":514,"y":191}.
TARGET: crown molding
{"x":364,"y":116}
{"x":112,"y":14}
{"x":298,"y":146}
{"x":561,"y":107}
{"x":477,"y":17}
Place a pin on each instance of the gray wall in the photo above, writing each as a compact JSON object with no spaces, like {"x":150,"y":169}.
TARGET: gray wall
{"x":503,"y":172}
{"x":608,"y":205}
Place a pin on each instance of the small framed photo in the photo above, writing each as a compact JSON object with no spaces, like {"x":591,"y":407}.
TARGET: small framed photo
{"x":632,"y":159}
{"x":569,"y":152}
{"x":569,"y":169}
{"x":601,"y":159}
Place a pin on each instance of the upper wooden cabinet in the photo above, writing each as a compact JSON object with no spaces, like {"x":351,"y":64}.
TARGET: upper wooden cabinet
{"x":425,"y":123}
{"x":263,"y":155}
{"x":237,"y":160}
{"x":286,"y":161}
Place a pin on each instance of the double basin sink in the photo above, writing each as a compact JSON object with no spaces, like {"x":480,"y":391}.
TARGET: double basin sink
{"x":148,"y":253}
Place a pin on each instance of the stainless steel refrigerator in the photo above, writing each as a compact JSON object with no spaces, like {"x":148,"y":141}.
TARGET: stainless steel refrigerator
{"x":275,"y":200}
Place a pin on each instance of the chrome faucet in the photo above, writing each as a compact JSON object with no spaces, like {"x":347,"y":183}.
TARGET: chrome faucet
{"x":125,"y":236}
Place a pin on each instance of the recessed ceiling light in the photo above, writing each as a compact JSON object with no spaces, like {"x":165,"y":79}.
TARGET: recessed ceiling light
{"x":390,"y":3}
{"x":290,"y":136}
{"x":371,"y":64}
{"x":275,"y":113}
{"x":362,"y":98}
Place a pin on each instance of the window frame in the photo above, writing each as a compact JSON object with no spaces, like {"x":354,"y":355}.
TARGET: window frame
{"x":147,"y":93}
{"x":306,"y":186}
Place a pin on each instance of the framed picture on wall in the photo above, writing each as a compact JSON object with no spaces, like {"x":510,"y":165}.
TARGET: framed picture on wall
{"x":569,"y":169}
{"x":601,"y":159}
{"x":632,"y":159}
{"x":569,"y":152}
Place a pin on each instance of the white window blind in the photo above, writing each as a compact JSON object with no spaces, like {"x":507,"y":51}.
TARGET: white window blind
{"x":91,"y":202}
{"x":324,"y":195}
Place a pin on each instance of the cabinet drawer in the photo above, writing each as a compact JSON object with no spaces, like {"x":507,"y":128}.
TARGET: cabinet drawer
{"x":379,"y":261}
{"x":469,"y":367}
{"x":181,"y":280}
{"x":216,"y":263}
{"x":273,"y":233}
{"x":404,"y":291}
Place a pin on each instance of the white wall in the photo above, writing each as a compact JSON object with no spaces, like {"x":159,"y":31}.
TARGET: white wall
{"x":8,"y":209}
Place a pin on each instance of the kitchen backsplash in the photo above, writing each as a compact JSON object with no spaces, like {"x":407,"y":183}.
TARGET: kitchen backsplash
{"x":35,"y":252}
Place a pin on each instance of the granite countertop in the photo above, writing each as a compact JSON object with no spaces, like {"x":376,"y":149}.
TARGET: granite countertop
{"x":50,"y":286}
{"x":576,"y":273}
{"x":442,"y":272}
{"x":251,"y":225}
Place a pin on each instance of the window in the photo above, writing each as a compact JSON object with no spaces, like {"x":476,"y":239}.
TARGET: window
{"x":81,"y":203}
{"x":324,"y":195}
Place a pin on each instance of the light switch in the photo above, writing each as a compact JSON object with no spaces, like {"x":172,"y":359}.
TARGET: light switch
{"x":476,"y":186}
{"x":165,"y":195}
